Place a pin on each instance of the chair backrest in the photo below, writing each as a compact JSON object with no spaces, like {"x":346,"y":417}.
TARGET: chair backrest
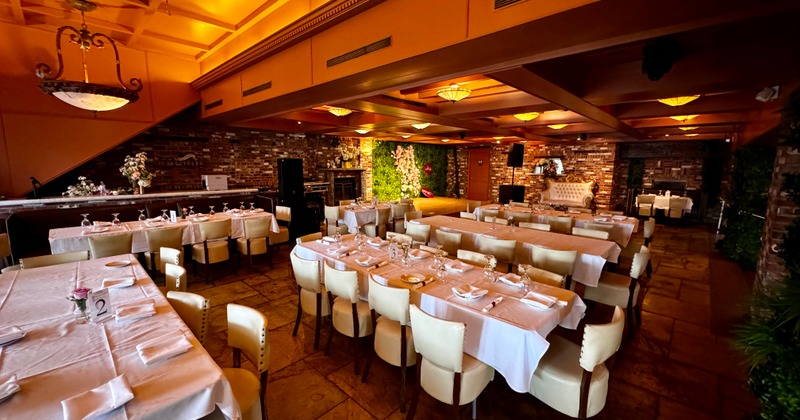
{"x":283,"y":213}
{"x":605,"y":227}
{"x":502,"y":249}
{"x":308,"y":238}
{"x":169,"y":237}
{"x":399,"y":237}
{"x":382,"y":215}
{"x":519,"y":216}
{"x":538,"y":226}
{"x":590,"y":233}
{"x":332,"y":214}
{"x":219,"y":229}
{"x":11,"y":268}
{"x":175,"y":277}
{"x":450,"y":241}
{"x":248,"y":331}
{"x":484,"y":214}
{"x":438,"y":341}
{"x":432,"y":249}
{"x":645,"y":199}
{"x":341,"y":283}
{"x":407,"y":200}
{"x":45,"y":260}
{"x":545,"y":277}
{"x":600,"y":341}
{"x":391,"y":302}
{"x":108,"y":245}
{"x":560,"y":224}
{"x":471,"y":257}
{"x":411,"y":215}
{"x":495,"y":219}
{"x":346,"y":202}
{"x":472,"y":205}
{"x":468,"y":215}
{"x":649,"y":227}
{"x":193,"y":310}
{"x":419,"y":232}
{"x":5,"y":246}
{"x":640,"y":260}
{"x":306,"y":273}
{"x":554,"y":260}
{"x":399,"y":210}
{"x":171,"y":256}
{"x":580,"y":209}
{"x":257,"y":228}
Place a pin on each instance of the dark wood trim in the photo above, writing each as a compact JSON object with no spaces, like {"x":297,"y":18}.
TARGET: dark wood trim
{"x":586,"y":382}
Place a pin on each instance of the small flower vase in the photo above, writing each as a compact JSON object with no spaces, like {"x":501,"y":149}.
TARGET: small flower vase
{"x":80,"y":312}
{"x":141,"y":189}
{"x":347,"y":164}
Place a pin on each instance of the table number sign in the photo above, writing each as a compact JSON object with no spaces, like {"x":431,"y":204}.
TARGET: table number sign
{"x":99,"y":305}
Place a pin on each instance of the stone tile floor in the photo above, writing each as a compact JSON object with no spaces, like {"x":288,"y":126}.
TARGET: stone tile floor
{"x":676,"y":367}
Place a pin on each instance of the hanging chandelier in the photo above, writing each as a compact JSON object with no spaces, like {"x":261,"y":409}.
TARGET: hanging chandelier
{"x":527,"y":116}
{"x":557,"y":126}
{"x":421,"y":126}
{"x":684,"y":118}
{"x":453,"y":93}
{"x":678,"y":100}
{"x":340,"y":112}
{"x":689,"y":128}
{"x":362,"y":131}
{"x":90,"y":96}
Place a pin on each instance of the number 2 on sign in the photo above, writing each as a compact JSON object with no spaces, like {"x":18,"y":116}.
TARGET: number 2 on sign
{"x":99,"y":305}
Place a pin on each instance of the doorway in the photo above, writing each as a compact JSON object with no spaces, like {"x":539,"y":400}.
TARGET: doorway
{"x":479,"y":164}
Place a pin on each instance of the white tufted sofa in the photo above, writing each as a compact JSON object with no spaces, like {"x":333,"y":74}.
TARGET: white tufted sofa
{"x":571,"y":194}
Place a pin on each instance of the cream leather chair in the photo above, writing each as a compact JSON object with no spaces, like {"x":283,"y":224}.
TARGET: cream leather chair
{"x":432,"y":249}
{"x":484,"y":213}
{"x":419,"y":233}
{"x":312,"y":297}
{"x":399,"y":237}
{"x":255,"y":239}
{"x":45,"y":260}
{"x":555,"y":261}
{"x":635,"y":244}
{"x":503,"y":249}
{"x":496,"y":219}
{"x":169,"y":256}
{"x":472,"y":205}
{"x":519,"y":216}
{"x":605,"y":227}
{"x":11,"y":268}
{"x":468,"y":215}
{"x":350,"y":315}
{"x":193,"y":310}
{"x":574,"y":379}
{"x":378,"y":229}
{"x":174,"y":278}
{"x":545,"y":277}
{"x":333,"y":221}
{"x":161,"y":238}
{"x":248,"y":333}
{"x":644,"y":205}
{"x":346,"y":202}
{"x":308,"y":238}
{"x":677,"y":207}
{"x":580,"y":209}
{"x":282,"y":214}
{"x":5,"y":250}
{"x":444,"y":371}
{"x":471,"y":257}
{"x":399,"y":211}
{"x":394,"y":342}
{"x":109,"y":245}
{"x":450,"y":241}
{"x":560,"y":224}
{"x":537,"y":226}
{"x":411,"y":215}
{"x":590,"y":233}
{"x":622,"y":291}
{"x":214,"y":248}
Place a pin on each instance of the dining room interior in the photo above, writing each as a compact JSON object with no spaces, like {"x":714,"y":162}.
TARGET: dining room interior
{"x":591,"y":200}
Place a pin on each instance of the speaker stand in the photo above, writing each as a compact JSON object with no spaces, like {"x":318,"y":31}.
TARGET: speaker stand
{"x":513,"y":168}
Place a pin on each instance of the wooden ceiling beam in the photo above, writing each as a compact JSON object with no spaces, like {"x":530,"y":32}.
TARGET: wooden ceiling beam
{"x":76,"y":18}
{"x":144,"y":17}
{"x":19,"y":14}
{"x":174,"y":40}
{"x":169,"y":9}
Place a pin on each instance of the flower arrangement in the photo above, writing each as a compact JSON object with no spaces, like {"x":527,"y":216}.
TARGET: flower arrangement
{"x":83,"y":188}
{"x":134,"y":169}
{"x":491,"y":262}
{"x":348,"y":152}
{"x":547,"y":167}
{"x":409,"y":173}
{"x":79,"y":296}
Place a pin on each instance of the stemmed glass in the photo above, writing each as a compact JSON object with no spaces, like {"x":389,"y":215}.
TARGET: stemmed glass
{"x":142,"y":217}
{"x":337,"y":238}
{"x":252,"y":208}
{"x":241,"y":206}
{"x":85,"y":223}
{"x":116,"y":221}
{"x":488,"y":270}
{"x":441,"y":273}
{"x":164,"y":215}
{"x":526,"y":280}
{"x":191,"y":210}
{"x":225,"y":208}
{"x":211,"y":211}
{"x":511,"y":222}
{"x":361,"y":239}
{"x":406,"y":261}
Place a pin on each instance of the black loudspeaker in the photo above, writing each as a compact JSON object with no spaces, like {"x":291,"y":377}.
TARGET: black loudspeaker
{"x":290,"y":178}
{"x":512,"y":193}
{"x":515,"y":155}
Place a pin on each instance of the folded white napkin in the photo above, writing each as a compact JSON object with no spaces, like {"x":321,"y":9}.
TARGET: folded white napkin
{"x":136,"y":310}
{"x":339,"y":251}
{"x":458,"y":266}
{"x":601,"y":219}
{"x":118,"y":282}
{"x":469,"y":292}
{"x":10,"y":333}
{"x":96,"y":223}
{"x":573,"y":212}
{"x":605,"y":214}
{"x":90,"y":404}
{"x":163,"y":347}
{"x":257,"y":211}
{"x":511,"y":279}
{"x":8,"y":387}
{"x":328,"y":239}
{"x":618,"y":217}
{"x":539,"y":300}
{"x":418,"y":254}
{"x":367,"y":260}
{"x":155,"y":219}
{"x":377,"y":242}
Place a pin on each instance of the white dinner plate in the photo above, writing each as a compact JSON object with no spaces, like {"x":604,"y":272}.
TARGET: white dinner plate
{"x":118,"y":264}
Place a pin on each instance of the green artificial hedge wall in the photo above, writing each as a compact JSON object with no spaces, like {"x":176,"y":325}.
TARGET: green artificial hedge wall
{"x":386,"y":179}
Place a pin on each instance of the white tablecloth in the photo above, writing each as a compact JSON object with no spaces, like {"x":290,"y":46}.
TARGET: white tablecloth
{"x":73,"y":238}
{"x":662,"y":201}
{"x":59,"y":359}
{"x":510,"y":337}
{"x":592,"y":253}
{"x":357,"y":216}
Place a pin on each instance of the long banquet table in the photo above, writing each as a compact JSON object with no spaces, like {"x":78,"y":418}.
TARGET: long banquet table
{"x":75,"y":239}
{"x":592,"y":253}
{"x":510,"y":337}
{"x":58,"y":359}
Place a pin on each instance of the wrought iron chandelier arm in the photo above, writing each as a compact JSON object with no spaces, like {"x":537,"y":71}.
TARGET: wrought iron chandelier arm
{"x":42,"y":69}
{"x":97,"y":41}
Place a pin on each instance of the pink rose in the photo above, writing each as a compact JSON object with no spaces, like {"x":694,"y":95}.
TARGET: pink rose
{"x":135,"y":175}
{"x":81,"y":293}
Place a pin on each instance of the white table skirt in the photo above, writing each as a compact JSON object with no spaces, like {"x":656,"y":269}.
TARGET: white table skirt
{"x":58,"y":359}
{"x":357,"y":216}
{"x":662,"y":201}
{"x":73,"y":239}
{"x":510,"y":337}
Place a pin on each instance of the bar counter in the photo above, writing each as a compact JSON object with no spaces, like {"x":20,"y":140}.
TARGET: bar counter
{"x":117,"y":199}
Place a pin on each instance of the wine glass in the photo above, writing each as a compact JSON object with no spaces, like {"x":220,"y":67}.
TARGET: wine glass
{"x":252,"y":208}
{"x":191,"y":210}
{"x":115,"y":222}
{"x":211,"y":211}
{"x":337,"y":238}
{"x":526,"y":280}
{"x":441,"y":273}
{"x":511,"y":222}
{"x":225,"y":208}
{"x":241,"y":206}
{"x":142,"y":217}
{"x":164,"y":215}
{"x":85,"y":223}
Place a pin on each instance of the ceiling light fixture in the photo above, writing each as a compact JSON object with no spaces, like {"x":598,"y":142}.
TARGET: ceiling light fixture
{"x":90,"y":96}
{"x":689,"y":128}
{"x":678,"y":100}
{"x":691,"y":134}
{"x":421,"y":126}
{"x":405,"y":136}
{"x":498,"y":137}
{"x":445,"y":140}
{"x":362,"y":131}
{"x":684,"y":118}
{"x":453,"y":93}
{"x":557,"y":126}
{"x":340,"y":112}
{"x":527,"y":116}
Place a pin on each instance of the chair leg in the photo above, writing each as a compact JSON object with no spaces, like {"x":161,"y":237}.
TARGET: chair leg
{"x":456,"y":394}
{"x":371,"y":354}
{"x":330,"y":335}
{"x":474,"y":409}
{"x":299,"y":314}
{"x":263,"y":395}
{"x":403,"y":365}
{"x":417,"y":390}
{"x":356,"y":334}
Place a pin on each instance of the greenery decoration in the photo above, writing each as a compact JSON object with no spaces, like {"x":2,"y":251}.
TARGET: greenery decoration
{"x":386,"y":180}
{"x":409,"y":173}
{"x":771,"y":337}
{"x":751,"y":178}
{"x":84,"y":187}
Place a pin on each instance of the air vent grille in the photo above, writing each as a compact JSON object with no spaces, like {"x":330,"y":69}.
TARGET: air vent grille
{"x":499,"y":4}
{"x":358,"y":52}
{"x":256,"y":89}
{"x":212,"y":105}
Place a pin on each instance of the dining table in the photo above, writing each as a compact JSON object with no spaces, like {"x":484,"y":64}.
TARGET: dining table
{"x":76,"y":238}
{"x":59,"y":358}
{"x":662,"y":201}
{"x":510,"y":336}
{"x":358,"y":215}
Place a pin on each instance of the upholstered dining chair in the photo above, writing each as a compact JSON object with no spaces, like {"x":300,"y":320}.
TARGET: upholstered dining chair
{"x":333,"y":221}
{"x":537,"y":226}
{"x":399,"y":237}
{"x":468,"y":215}
{"x":248,"y":333}
{"x":169,"y":256}
{"x":605,"y":227}
{"x":11,"y":268}
{"x":5,"y":250}
{"x":346,"y":202}
{"x":573,"y":379}
{"x":519,"y":216}
{"x":622,"y":291}
{"x":161,"y":238}
{"x":419,"y":233}
{"x":503,"y":249}
{"x":411,"y":215}
{"x":276,"y":239}
{"x":255,"y":240}
{"x":393,"y":341}
{"x":109,"y":245}
{"x":312,"y":297}
{"x":450,"y":241}
{"x":214,"y":248}
{"x":399,"y":211}
{"x":45,"y":260}
{"x":471,"y":257}
{"x":444,"y":371}
{"x":645,"y":204}
{"x":635,"y":244}
{"x":174,"y":278}
{"x":560,"y":224}
{"x":349,"y":314}
{"x":472,"y":205}
{"x":378,"y":229}
{"x":193,"y":310}
{"x":308,"y":238}
{"x":677,"y":206}
{"x":543,"y":276}
{"x":496,"y":220}
{"x":555,"y":261}
{"x":590,"y":233}
{"x":433,"y":250}
{"x":485,"y":213}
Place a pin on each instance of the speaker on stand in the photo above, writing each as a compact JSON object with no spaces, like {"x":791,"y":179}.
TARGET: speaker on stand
{"x":292,"y":194}
{"x":513,"y":192}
